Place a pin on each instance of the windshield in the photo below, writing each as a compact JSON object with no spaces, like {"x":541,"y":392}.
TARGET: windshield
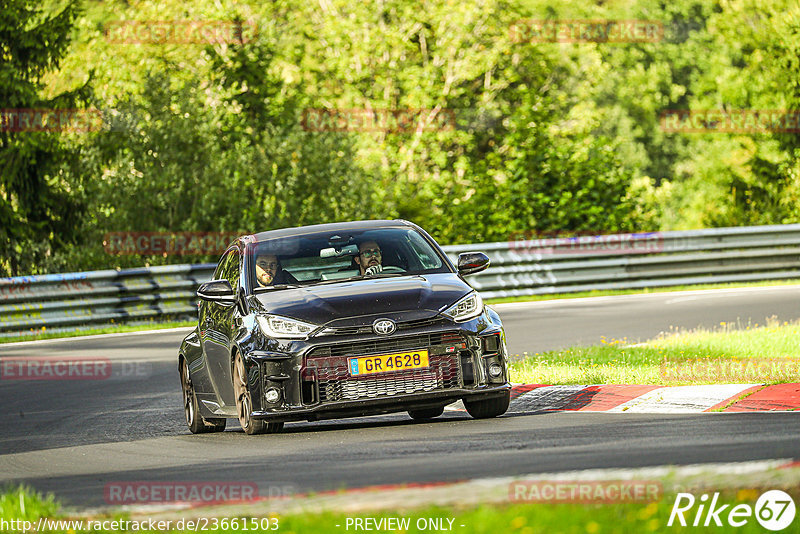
{"x":329,"y":257}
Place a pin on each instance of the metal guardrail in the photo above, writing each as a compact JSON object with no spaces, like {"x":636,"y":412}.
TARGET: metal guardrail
{"x":519,"y":268}
{"x":66,"y":301}
{"x":636,"y":261}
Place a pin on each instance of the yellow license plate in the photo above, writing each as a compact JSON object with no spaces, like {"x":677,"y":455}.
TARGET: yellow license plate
{"x":399,"y":361}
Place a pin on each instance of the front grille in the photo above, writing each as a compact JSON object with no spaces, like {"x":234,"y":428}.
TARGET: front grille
{"x":418,"y":323}
{"x":329,"y":365}
{"x":354,"y":330}
{"x":390,"y":344}
{"x":336,"y":384}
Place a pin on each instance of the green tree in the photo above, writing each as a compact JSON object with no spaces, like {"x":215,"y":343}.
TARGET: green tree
{"x":731,"y":179}
{"x":220,"y":150}
{"x":37,"y":211}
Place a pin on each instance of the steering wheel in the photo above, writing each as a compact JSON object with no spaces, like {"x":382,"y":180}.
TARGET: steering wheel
{"x":392,"y":269}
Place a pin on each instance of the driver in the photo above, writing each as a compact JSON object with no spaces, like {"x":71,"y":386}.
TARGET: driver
{"x":269,"y":271}
{"x":369,"y":258}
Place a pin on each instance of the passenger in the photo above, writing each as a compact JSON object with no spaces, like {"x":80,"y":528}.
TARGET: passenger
{"x":369,"y":258}
{"x":269,"y":271}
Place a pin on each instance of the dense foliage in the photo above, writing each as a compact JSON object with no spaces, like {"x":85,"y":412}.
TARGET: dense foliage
{"x":508,"y":137}
{"x":37,"y":212}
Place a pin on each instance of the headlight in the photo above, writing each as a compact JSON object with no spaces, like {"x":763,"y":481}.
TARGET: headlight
{"x":467,"y":308}
{"x":283,"y":327}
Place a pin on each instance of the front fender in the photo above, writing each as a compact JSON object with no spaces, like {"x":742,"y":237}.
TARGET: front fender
{"x":192,"y":351}
{"x":249,"y":342}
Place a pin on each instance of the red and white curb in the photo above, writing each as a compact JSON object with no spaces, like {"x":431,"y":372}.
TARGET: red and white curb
{"x":533,"y":398}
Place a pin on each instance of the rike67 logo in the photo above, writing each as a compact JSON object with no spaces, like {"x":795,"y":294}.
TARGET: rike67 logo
{"x":774,"y":510}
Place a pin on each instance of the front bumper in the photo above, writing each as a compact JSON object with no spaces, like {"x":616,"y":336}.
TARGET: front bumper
{"x":382,"y":405}
{"x":312,"y":379}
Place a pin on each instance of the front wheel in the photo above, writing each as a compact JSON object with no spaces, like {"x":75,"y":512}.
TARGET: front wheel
{"x":487,"y":408}
{"x":191,"y":409}
{"x":244,"y":403}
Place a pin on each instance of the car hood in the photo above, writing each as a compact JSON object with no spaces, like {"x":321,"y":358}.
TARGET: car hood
{"x":404,"y":298}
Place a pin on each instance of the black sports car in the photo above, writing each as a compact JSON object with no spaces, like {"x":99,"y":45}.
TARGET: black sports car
{"x":341,"y":320}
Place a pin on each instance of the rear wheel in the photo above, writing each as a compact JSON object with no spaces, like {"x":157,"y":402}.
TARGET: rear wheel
{"x":487,"y":408}
{"x":244,"y":403}
{"x":426,"y":413}
{"x":191,"y":409}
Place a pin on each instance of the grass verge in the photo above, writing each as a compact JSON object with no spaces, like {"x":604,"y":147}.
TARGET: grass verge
{"x":646,"y":290}
{"x":734,"y":353}
{"x":21,"y":504}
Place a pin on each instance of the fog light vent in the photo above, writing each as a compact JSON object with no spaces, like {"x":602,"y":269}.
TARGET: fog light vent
{"x":491,"y":344}
{"x":495,"y":370}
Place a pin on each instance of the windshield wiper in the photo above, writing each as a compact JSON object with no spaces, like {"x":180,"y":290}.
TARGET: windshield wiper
{"x":308,"y":283}
{"x":265,"y":289}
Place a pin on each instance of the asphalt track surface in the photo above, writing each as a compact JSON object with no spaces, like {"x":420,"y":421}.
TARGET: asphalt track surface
{"x":74,"y":437}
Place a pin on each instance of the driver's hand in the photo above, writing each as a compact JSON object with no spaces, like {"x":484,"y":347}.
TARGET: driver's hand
{"x":372,"y":271}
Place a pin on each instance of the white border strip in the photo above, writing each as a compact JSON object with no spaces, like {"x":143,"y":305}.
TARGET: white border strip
{"x":186,"y":329}
{"x":682,"y":399}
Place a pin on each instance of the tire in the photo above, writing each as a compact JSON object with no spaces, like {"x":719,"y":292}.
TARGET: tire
{"x":487,"y":408}
{"x":426,"y":413}
{"x":244,"y":403}
{"x":191,"y":409}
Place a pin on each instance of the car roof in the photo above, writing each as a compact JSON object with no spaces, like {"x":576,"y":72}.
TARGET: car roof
{"x":331,"y":227}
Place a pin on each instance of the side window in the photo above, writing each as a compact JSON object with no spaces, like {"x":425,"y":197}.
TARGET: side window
{"x":231,"y":271}
{"x":218,"y":272}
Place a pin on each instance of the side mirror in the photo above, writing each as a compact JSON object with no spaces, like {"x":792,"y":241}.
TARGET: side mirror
{"x":472,"y":262}
{"x":219,"y":291}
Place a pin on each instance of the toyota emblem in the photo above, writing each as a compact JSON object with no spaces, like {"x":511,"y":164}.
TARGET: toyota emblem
{"x":383,"y":327}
